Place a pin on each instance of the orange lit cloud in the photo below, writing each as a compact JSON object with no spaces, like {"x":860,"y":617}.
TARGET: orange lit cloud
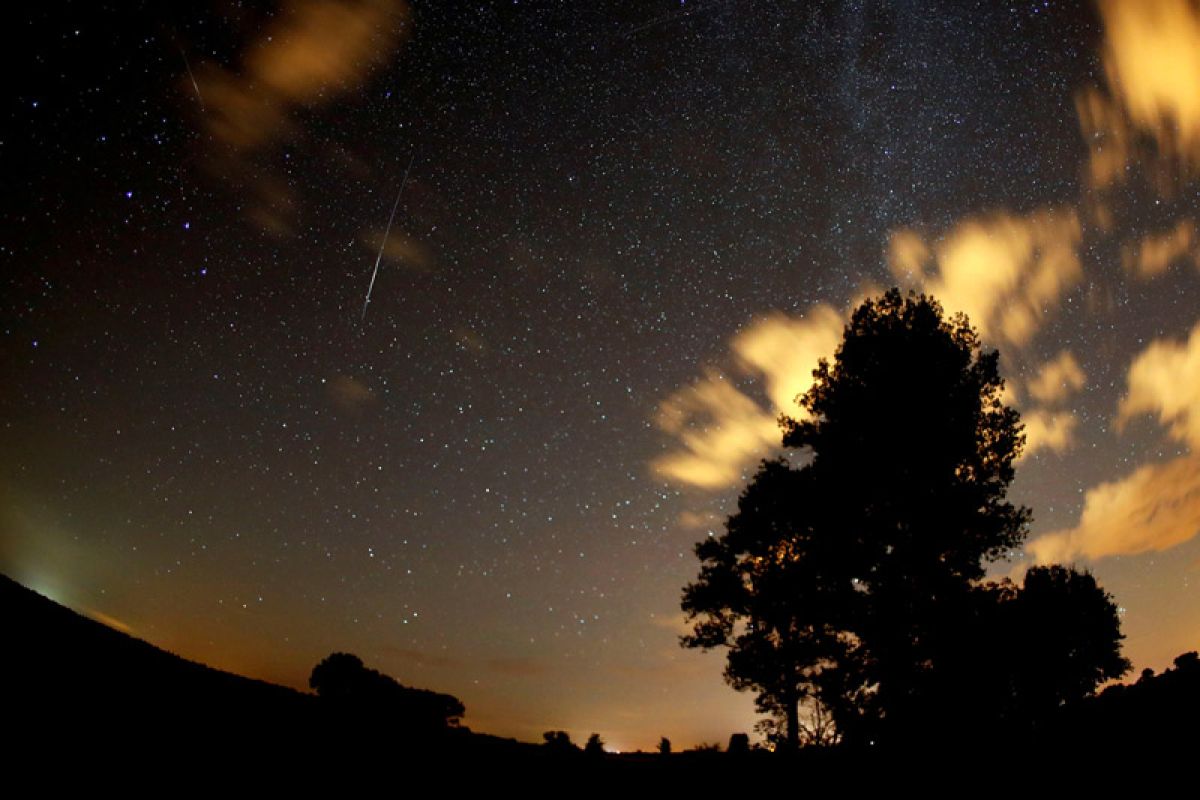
{"x":694,"y":520}
{"x":399,"y":248}
{"x":1155,"y":508}
{"x":1107,"y":135}
{"x":785,"y":350}
{"x":1005,"y":271}
{"x":1057,"y":379}
{"x":1048,"y":430}
{"x":1158,"y":252}
{"x":720,"y":429}
{"x":349,"y":394}
{"x":907,"y":255}
{"x":1151,"y":58}
{"x":313,"y":52}
{"x":1164,"y":380}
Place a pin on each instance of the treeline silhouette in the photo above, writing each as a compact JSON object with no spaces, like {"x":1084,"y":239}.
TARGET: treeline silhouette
{"x":80,"y":694}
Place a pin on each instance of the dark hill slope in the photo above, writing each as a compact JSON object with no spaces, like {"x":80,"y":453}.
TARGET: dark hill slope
{"x":67,"y":675}
{"x":77,"y":690}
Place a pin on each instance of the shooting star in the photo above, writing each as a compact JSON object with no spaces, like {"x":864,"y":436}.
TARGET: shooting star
{"x":195,"y":85}
{"x":386,"y":231}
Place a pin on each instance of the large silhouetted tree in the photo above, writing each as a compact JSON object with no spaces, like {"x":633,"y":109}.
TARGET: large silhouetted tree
{"x":913,"y":450}
{"x":854,"y":580}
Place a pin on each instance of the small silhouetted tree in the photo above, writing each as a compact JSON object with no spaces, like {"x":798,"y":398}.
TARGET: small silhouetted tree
{"x":559,"y":742}
{"x":594,"y":746}
{"x":1068,"y":636}
{"x":342,"y":681}
{"x":664,"y":746}
{"x":339,"y":676}
{"x":739,"y":744}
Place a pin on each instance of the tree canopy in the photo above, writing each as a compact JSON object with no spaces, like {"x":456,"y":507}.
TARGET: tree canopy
{"x":854,"y":582}
{"x":345,"y":683}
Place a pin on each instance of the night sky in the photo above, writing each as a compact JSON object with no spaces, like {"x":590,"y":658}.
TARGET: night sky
{"x":628,"y":231}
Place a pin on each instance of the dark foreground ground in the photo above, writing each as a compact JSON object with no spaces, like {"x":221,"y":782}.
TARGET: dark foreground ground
{"x":87,"y":706}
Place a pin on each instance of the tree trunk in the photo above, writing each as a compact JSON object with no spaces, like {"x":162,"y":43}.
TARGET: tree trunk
{"x":793,"y":724}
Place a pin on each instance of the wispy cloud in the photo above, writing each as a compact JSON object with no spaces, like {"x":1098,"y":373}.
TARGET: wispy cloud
{"x":1156,"y":252}
{"x":1154,"y":508}
{"x":1048,"y":430}
{"x":1164,"y":380}
{"x":348,"y":393}
{"x":1151,"y":58}
{"x":1057,"y":379}
{"x":314,"y":52}
{"x":1005,"y":271}
{"x":718,"y":429}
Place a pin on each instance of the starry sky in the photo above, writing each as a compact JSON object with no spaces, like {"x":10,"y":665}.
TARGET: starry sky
{"x":623,"y":235}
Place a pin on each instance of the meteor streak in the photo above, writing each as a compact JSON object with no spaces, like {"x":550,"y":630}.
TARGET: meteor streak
{"x":386,"y":231}
{"x":195,"y":85}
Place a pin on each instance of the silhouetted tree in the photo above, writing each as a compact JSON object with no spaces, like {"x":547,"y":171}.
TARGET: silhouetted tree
{"x":739,"y":744}
{"x":913,"y":451}
{"x":795,"y":610}
{"x":594,"y":746}
{"x":338,"y":676}
{"x":559,"y":742}
{"x":664,"y":746}
{"x":1069,"y":638}
{"x":854,"y":581}
{"x":342,"y":680}
{"x":1023,"y":653}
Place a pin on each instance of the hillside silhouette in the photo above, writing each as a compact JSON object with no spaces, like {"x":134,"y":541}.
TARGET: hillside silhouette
{"x":74,"y":685}
{"x":80,"y":694}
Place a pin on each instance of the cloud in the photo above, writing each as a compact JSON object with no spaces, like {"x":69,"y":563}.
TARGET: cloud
{"x":1057,"y":379}
{"x":907,"y":255}
{"x":399,"y":248}
{"x":1164,"y":379}
{"x":1151,"y":57}
{"x":1158,"y":252}
{"x":1048,"y":430}
{"x":786,"y":351}
{"x":694,"y":520}
{"x":1004,"y":271}
{"x":677,"y":623}
{"x":349,"y":394}
{"x":720,"y":429}
{"x":313,"y":52}
{"x":1155,"y":508}
{"x":1107,"y":135}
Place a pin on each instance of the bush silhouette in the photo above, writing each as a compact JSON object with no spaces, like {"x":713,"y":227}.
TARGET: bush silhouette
{"x":342,"y":681}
